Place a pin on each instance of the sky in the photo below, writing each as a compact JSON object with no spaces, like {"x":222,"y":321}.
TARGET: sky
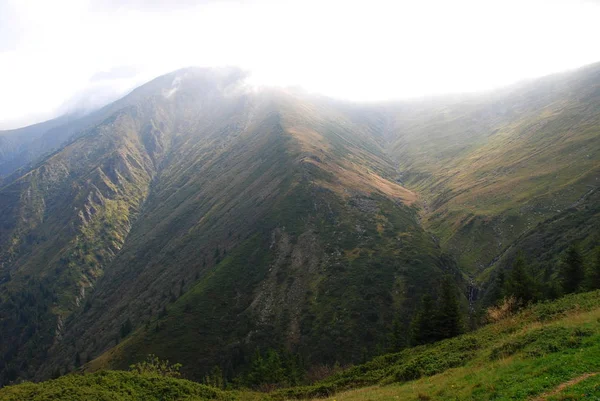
{"x":60,"y":55}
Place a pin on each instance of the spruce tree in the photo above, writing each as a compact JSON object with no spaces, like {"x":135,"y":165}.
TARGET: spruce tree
{"x":573,"y":271}
{"x":423,"y":324}
{"x":594,"y":281}
{"x":397,"y":336}
{"x":498,"y":287}
{"x":520,"y":284}
{"x":448,"y":321}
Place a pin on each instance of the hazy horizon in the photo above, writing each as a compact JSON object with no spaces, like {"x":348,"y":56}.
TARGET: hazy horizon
{"x":60,"y":56}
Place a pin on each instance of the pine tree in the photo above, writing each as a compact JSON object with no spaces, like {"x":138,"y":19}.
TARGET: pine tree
{"x":520,"y":284}
{"x":594,"y":281}
{"x":423,"y":324}
{"x":215,"y":378}
{"x":573,"y":271}
{"x":397,"y":336}
{"x":77,"y":360}
{"x":448,"y":321}
{"x":498,"y":287}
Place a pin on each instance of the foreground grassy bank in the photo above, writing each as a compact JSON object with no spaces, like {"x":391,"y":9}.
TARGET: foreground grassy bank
{"x":550,"y":351}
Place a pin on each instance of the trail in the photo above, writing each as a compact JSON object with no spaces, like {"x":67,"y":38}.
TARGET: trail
{"x":563,"y":386}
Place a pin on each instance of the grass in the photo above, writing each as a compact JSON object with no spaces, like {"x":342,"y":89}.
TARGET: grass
{"x":519,"y":358}
{"x":114,"y":386}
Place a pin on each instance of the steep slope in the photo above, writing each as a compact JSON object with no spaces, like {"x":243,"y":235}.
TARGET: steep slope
{"x":62,"y":222}
{"x":65,"y":220}
{"x":490,"y":168}
{"x":214,"y":220}
{"x":282,"y":231}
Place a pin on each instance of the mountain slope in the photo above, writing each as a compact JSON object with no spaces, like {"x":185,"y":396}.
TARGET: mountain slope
{"x":269,"y":243}
{"x":491,"y":167}
{"x":547,"y":351}
{"x":282,"y":210}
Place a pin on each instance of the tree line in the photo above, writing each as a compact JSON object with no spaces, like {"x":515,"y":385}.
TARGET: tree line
{"x":573,"y":275}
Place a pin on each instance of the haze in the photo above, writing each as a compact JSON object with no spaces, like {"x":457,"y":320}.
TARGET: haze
{"x":91,"y":52}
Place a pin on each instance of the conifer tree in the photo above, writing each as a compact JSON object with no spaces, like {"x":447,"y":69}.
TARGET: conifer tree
{"x":520,"y":284}
{"x":423,"y":324}
{"x":397,"y":337}
{"x":573,"y":271}
{"x":498,"y":287}
{"x":448,"y":321}
{"x":126,"y":328}
{"x":594,"y":280}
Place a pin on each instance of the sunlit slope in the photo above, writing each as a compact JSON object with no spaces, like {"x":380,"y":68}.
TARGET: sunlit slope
{"x":491,"y":167}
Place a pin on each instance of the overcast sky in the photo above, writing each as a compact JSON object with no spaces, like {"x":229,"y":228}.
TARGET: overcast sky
{"x":61,"y":53}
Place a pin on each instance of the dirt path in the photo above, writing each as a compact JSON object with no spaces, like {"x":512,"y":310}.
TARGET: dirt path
{"x":563,"y":386}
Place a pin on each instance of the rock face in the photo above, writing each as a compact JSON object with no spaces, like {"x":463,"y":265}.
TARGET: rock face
{"x":216,"y":219}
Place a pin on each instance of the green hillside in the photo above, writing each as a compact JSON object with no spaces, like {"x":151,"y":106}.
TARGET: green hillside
{"x":491,"y":167}
{"x":549,"y":351}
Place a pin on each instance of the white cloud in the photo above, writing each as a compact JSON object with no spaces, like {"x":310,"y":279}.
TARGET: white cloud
{"x":360,"y":50}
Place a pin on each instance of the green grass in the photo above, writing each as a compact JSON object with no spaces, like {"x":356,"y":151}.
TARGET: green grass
{"x":517,"y":358}
{"x":113,"y":386}
{"x":588,"y":389}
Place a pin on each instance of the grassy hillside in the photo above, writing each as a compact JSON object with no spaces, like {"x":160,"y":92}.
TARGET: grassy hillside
{"x":114,"y":386}
{"x":491,"y":167}
{"x":520,"y":357}
{"x":550,"y":351}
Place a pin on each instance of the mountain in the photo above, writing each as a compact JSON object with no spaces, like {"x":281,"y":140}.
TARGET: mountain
{"x":201,"y":220}
{"x":255,"y":218}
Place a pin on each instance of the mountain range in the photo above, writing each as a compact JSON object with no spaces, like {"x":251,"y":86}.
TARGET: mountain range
{"x":200,"y":219}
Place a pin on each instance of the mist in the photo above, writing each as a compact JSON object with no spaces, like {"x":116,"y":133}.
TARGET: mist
{"x":56,"y":57}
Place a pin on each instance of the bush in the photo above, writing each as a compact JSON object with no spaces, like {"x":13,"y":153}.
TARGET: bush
{"x":154,"y":366}
{"x":506,"y":308}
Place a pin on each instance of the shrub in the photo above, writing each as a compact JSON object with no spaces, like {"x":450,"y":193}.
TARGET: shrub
{"x":506,"y":308}
{"x":154,"y":366}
